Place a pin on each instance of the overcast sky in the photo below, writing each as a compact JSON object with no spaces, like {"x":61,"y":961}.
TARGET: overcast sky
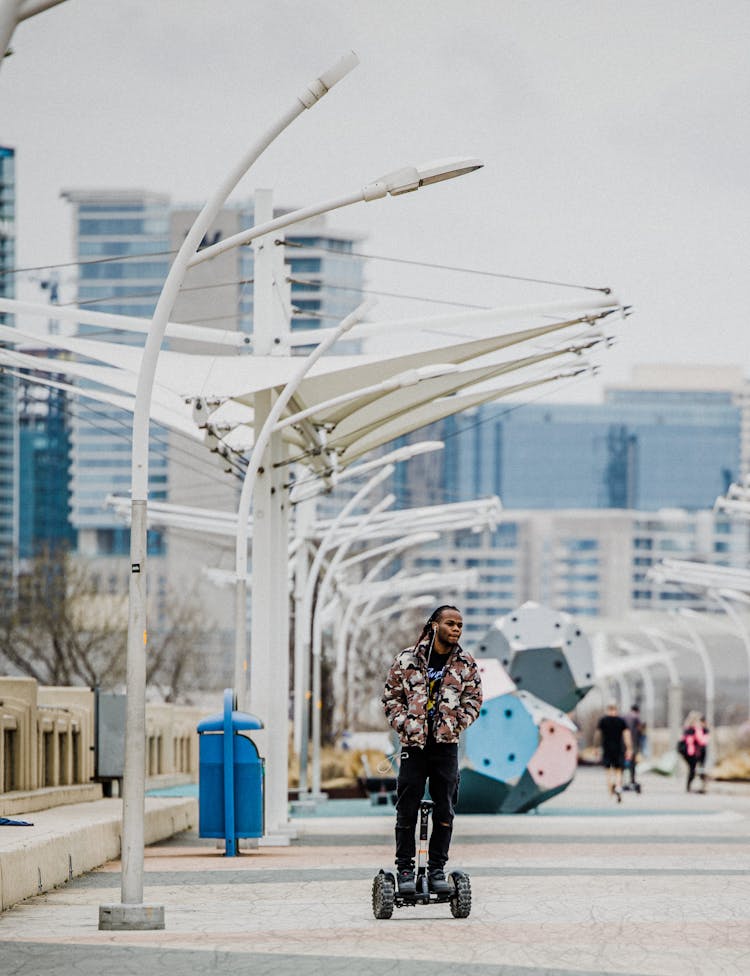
{"x":615,"y":137}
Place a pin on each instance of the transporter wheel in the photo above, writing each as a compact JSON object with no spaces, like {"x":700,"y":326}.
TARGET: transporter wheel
{"x":383,"y":894}
{"x":461,"y":898}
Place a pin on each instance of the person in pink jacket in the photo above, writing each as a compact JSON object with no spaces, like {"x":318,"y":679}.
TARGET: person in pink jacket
{"x":693,"y":746}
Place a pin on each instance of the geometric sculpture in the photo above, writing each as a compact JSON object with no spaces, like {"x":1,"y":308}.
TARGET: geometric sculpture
{"x":522,"y":749}
{"x":545,"y":652}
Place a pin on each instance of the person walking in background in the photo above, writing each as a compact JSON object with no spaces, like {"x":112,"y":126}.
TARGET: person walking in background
{"x":617,"y":748}
{"x":433,"y":692}
{"x":692,"y":747}
{"x":637,"y":730}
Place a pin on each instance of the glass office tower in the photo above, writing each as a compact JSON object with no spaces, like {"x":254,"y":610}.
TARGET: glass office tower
{"x":8,"y":421}
{"x":44,"y":421}
{"x":634,"y":452}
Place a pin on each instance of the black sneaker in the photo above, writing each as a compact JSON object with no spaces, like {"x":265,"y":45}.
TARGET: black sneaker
{"x":406,"y":883}
{"x":438,"y":882}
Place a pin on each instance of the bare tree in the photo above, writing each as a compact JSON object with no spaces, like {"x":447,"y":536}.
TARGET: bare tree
{"x":174,"y":663}
{"x":64,"y":630}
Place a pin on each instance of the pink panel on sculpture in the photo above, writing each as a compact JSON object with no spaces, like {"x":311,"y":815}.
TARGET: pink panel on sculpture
{"x":555,"y":760}
{"x":495,"y":679}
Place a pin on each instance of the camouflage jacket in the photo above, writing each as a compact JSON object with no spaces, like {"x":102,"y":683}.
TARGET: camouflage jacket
{"x":405,"y":696}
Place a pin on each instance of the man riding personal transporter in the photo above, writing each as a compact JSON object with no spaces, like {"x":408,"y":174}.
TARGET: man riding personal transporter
{"x":385,"y":895}
{"x":433,"y":692}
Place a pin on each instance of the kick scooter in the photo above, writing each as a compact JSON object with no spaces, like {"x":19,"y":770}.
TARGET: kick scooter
{"x":385,"y":894}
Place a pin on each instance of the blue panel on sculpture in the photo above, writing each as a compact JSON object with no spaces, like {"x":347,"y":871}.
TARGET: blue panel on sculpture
{"x":501,"y":743}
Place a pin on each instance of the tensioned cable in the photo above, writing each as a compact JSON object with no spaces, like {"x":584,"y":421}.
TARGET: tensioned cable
{"x":243,"y":282}
{"x":114,"y":299}
{"x":328,"y":250}
{"x":449,"y":267}
{"x":85,"y":261}
{"x":384,"y":294}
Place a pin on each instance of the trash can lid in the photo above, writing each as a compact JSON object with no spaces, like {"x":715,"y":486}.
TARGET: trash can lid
{"x":240,"y":720}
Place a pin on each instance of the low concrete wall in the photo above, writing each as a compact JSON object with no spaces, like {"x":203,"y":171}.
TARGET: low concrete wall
{"x":52,"y":796}
{"x":70,"y":840}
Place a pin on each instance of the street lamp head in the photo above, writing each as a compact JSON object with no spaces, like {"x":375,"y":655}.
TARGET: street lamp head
{"x":410,"y":178}
{"x":447,"y":169}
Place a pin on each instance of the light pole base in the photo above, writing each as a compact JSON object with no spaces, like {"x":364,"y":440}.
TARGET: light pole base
{"x":130,"y":918}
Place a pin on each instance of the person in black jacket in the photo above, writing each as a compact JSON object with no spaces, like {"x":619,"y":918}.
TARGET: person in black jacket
{"x":617,"y":748}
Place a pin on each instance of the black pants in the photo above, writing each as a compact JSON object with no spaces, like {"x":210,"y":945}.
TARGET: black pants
{"x":436,"y":765}
{"x":693,"y":763}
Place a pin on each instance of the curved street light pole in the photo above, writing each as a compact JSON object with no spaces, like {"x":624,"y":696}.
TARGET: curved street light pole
{"x":389,"y":552}
{"x":302,"y":654}
{"x":269,"y":612}
{"x":317,"y":639}
{"x":243,"y":511}
{"x":132,"y":913}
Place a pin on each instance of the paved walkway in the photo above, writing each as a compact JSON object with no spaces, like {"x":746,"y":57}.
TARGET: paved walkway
{"x":658,"y":885}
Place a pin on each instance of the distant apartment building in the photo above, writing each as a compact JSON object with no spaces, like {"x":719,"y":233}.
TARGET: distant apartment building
{"x":591,"y":563}
{"x":8,"y":419}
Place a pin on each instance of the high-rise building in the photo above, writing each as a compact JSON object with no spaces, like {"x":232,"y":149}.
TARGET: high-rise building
{"x":125,"y":241}
{"x":122,"y":244}
{"x":8,"y":420}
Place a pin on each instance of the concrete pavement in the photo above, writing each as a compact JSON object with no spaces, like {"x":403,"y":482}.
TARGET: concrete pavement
{"x":656,"y":886}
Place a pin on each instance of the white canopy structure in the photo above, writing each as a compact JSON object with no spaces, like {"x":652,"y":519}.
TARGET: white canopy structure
{"x":347,"y":405}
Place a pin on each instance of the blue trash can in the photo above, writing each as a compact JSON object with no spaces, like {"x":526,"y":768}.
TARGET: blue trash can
{"x":230,"y":777}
